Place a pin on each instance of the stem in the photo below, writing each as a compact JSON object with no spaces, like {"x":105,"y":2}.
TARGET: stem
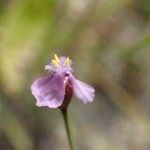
{"x":65,"y":117}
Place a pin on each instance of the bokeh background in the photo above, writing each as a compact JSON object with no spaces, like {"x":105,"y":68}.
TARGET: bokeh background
{"x":109,"y":42}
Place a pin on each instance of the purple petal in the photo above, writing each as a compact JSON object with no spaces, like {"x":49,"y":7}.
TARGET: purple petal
{"x":49,"y":91}
{"x":83,"y":91}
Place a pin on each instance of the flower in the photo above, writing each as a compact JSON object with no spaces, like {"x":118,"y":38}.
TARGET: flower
{"x":56,"y":89}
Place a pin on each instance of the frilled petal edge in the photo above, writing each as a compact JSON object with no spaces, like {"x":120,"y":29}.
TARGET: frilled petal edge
{"x":49,"y":91}
{"x":83,"y":91}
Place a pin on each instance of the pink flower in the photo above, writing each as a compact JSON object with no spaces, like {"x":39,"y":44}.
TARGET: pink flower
{"x":56,"y":89}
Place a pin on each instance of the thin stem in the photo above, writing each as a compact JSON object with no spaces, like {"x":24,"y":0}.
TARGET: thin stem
{"x":65,"y":117}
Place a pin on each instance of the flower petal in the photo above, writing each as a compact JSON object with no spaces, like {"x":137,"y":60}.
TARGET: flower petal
{"x":83,"y":91}
{"x":49,"y":91}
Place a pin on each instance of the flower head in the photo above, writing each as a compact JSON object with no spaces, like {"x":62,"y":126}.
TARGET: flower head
{"x":56,"y":89}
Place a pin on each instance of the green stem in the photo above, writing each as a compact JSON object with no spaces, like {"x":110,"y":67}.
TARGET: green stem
{"x":65,"y":117}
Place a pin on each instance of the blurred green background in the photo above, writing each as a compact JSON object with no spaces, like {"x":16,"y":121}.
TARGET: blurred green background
{"x":109,"y":42}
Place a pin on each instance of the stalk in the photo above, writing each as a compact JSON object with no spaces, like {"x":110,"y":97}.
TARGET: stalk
{"x":66,"y":122}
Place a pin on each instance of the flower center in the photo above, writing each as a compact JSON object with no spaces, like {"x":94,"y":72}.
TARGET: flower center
{"x":57,"y":62}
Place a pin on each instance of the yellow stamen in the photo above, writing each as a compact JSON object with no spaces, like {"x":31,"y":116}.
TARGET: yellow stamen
{"x":67,"y":61}
{"x":56,"y":58}
{"x":55,"y":62}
